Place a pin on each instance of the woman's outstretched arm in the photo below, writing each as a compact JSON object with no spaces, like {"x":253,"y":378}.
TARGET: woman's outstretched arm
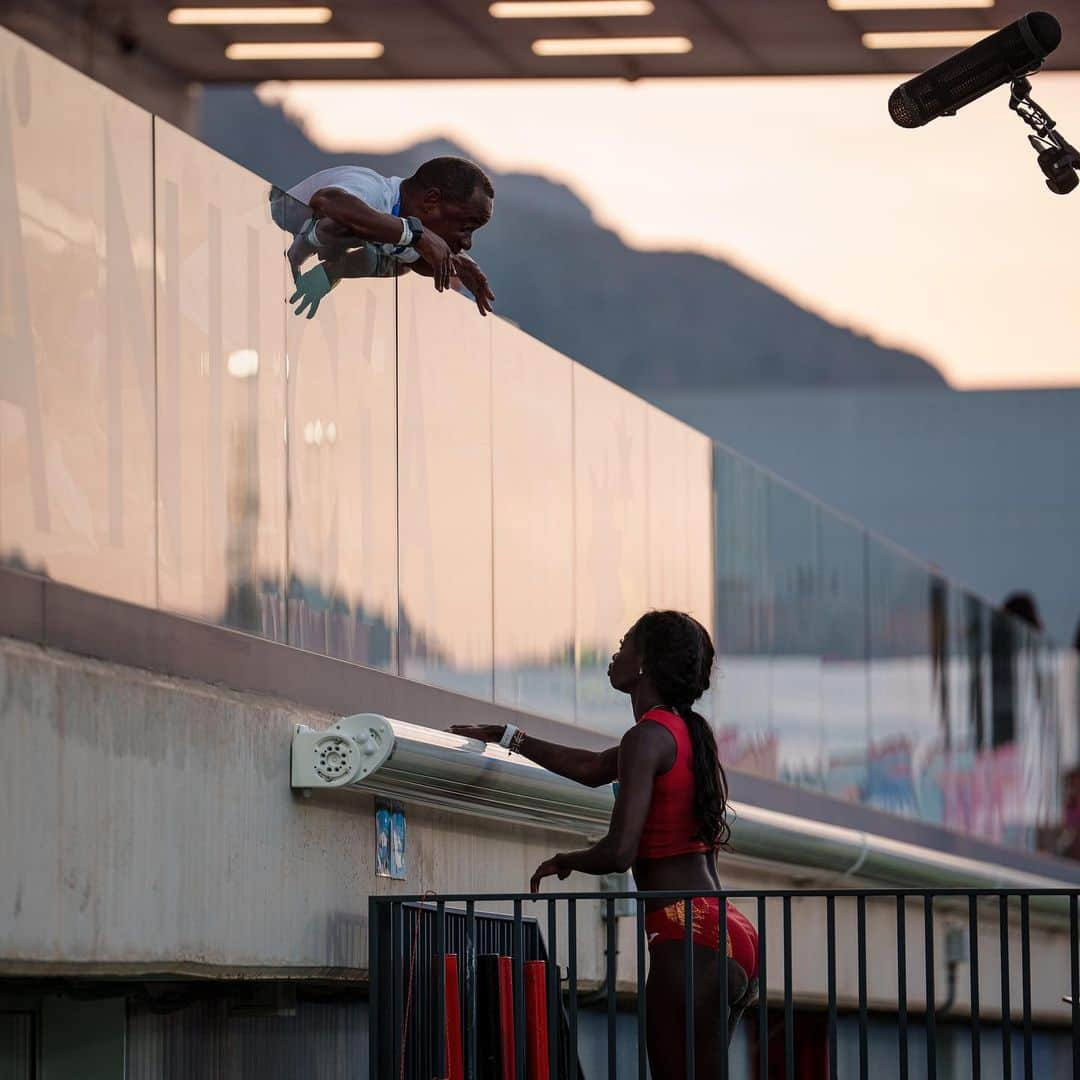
{"x":591,"y":767}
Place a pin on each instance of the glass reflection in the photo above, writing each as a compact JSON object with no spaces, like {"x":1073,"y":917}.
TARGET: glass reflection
{"x":679,"y":522}
{"x":742,"y":700}
{"x":76,"y":329}
{"x":444,"y":486}
{"x":342,"y":478}
{"x":611,"y":506}
{"x":533,"y":492}
{"x":842,"y":640}
{"x":221,"y":390}
{"x":906,"y":751}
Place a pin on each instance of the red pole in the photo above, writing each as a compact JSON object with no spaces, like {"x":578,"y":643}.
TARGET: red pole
{"x":536,"y":1031}
{"x":506,"y":1016}
{"x":455,"y":1060}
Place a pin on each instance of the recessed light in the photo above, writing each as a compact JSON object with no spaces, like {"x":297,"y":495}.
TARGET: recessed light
{"x":261,"y":16}
{"x":906,"y":5}
{"x":569,"y":9}
{"x":304,"y":50}
{"x":629,"y":46}
{"x":925,"y":39}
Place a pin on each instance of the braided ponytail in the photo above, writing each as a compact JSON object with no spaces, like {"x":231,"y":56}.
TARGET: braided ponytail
{"x":678,"y":656}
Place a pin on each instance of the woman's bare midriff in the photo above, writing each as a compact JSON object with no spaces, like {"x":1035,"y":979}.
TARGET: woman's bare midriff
{"x":676,"y":873}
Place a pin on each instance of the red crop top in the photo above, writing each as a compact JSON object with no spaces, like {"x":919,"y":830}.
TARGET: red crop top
{"x":671,"y":826}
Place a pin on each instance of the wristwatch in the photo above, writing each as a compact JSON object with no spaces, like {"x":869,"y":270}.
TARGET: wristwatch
{"x":416,"y":227}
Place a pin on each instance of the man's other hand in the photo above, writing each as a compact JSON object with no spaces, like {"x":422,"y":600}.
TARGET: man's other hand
{"x":311,"y":288}
{"x":433,"y":249}
{"x":475,"y":280}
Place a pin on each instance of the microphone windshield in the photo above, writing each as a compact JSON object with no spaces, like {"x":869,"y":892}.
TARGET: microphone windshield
{"x":1016,"y":50}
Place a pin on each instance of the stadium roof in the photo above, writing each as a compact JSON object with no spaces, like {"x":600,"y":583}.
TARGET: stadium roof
{"x":461,"y":39}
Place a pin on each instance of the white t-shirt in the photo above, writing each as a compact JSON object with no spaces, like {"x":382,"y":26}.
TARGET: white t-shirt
{"x":379,"y":192}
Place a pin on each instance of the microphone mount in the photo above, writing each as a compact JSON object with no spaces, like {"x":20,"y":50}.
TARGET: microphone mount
{"x":1058,"y":160}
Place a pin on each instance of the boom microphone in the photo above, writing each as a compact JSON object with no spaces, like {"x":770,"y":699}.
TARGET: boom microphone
{"x":1011,"y":53}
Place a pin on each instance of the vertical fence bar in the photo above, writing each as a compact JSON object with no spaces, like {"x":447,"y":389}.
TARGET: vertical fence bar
{"x":722,"y":956}
{"x":609,"y":978}
{"x":375,"y":1036}
{"x":1006,"y":1009}
{"x":472,"y":1013}
{"x":1025,"y":975}
{"x":571,"y":975}
{"x":864,"y":1018}
{"x":973,"y":965}
{"x":689,"y":995}
{"x":519,"y":994}
{"x":398,"y":961}
{"x":553,"y":990}
{"x":763,"y":991}
{"x":440,"y":988}
{"x":931,"y":1005}
{"x":642,"y":1049}
{"x":789,"y":1004}
{"x":901,"y":985}
{"x":830,"y":950}
{"x":1074,"y":953}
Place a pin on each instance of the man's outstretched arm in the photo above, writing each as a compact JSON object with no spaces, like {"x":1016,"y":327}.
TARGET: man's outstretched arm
{"x":354,"y":216}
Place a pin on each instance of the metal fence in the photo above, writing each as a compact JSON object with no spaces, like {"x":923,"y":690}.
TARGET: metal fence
{"x":431,"y":1025}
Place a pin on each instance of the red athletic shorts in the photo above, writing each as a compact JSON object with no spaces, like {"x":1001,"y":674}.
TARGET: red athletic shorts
{"x":668,"y":924}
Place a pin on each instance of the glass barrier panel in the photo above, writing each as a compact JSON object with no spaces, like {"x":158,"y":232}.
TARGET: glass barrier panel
{"x":76,"y":329}
{"x":679,"y":523}
{"x":743,"y":704}
{"x":794,"y":566}
{"x":611,"y":559}
{"x":342,"y":412}
{"x":444,"y":489}
{"x":533,"y":505}
{"x":220,"y":390}
{"x":845,"y":680}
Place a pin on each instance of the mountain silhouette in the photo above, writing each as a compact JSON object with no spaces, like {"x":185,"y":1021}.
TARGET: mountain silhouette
{"x":648,"y":320}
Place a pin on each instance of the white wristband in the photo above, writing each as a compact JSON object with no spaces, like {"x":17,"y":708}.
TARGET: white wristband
{"x":406,"y":234}
{"x":508,"y":736}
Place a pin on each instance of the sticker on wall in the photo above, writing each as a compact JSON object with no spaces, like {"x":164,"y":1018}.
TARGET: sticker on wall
{"x":390,"y":840}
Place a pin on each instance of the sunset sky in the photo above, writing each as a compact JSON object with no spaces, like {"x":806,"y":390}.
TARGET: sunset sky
{"x":941,"y":240}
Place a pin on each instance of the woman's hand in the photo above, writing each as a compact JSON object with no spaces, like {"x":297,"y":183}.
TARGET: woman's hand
{"x":484,"y":732}
{"x":552,"y":867}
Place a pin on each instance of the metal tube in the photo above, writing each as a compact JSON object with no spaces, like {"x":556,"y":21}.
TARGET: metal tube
{"x":789,"y":1004}
{"x":931,"y":1027}
{"x":471,"y":1010}
{"x":571,"y":974}
{"x":642,"y":1019}
{"x":722,"y":956}
{"x":973,"y":963}
{"x":398,"y":960}
{"x":519,"y":994}
{"x":688,"y":960}
{"x":440,"y":988}
{"x":1074,"y":966}
{"x":610,"y":976}
{"x":901,"y":985}
{"x":553,"y":990}
{"x":763,"y":992}
{"x":1025,"y":976}
{"x":864,"y":1018}
{"x":1006,"y":1010}
{"x":374,"y":1025}
{"x":830,"y":947}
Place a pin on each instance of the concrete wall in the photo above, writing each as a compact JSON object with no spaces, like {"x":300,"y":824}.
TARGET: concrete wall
{"x":147,"y":825}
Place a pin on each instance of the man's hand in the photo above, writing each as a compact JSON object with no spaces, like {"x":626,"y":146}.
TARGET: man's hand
{"x":475,"y":280}
{"x":550,"y":868}
{"x":311,"y":288}
{"x":433,"y":249}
